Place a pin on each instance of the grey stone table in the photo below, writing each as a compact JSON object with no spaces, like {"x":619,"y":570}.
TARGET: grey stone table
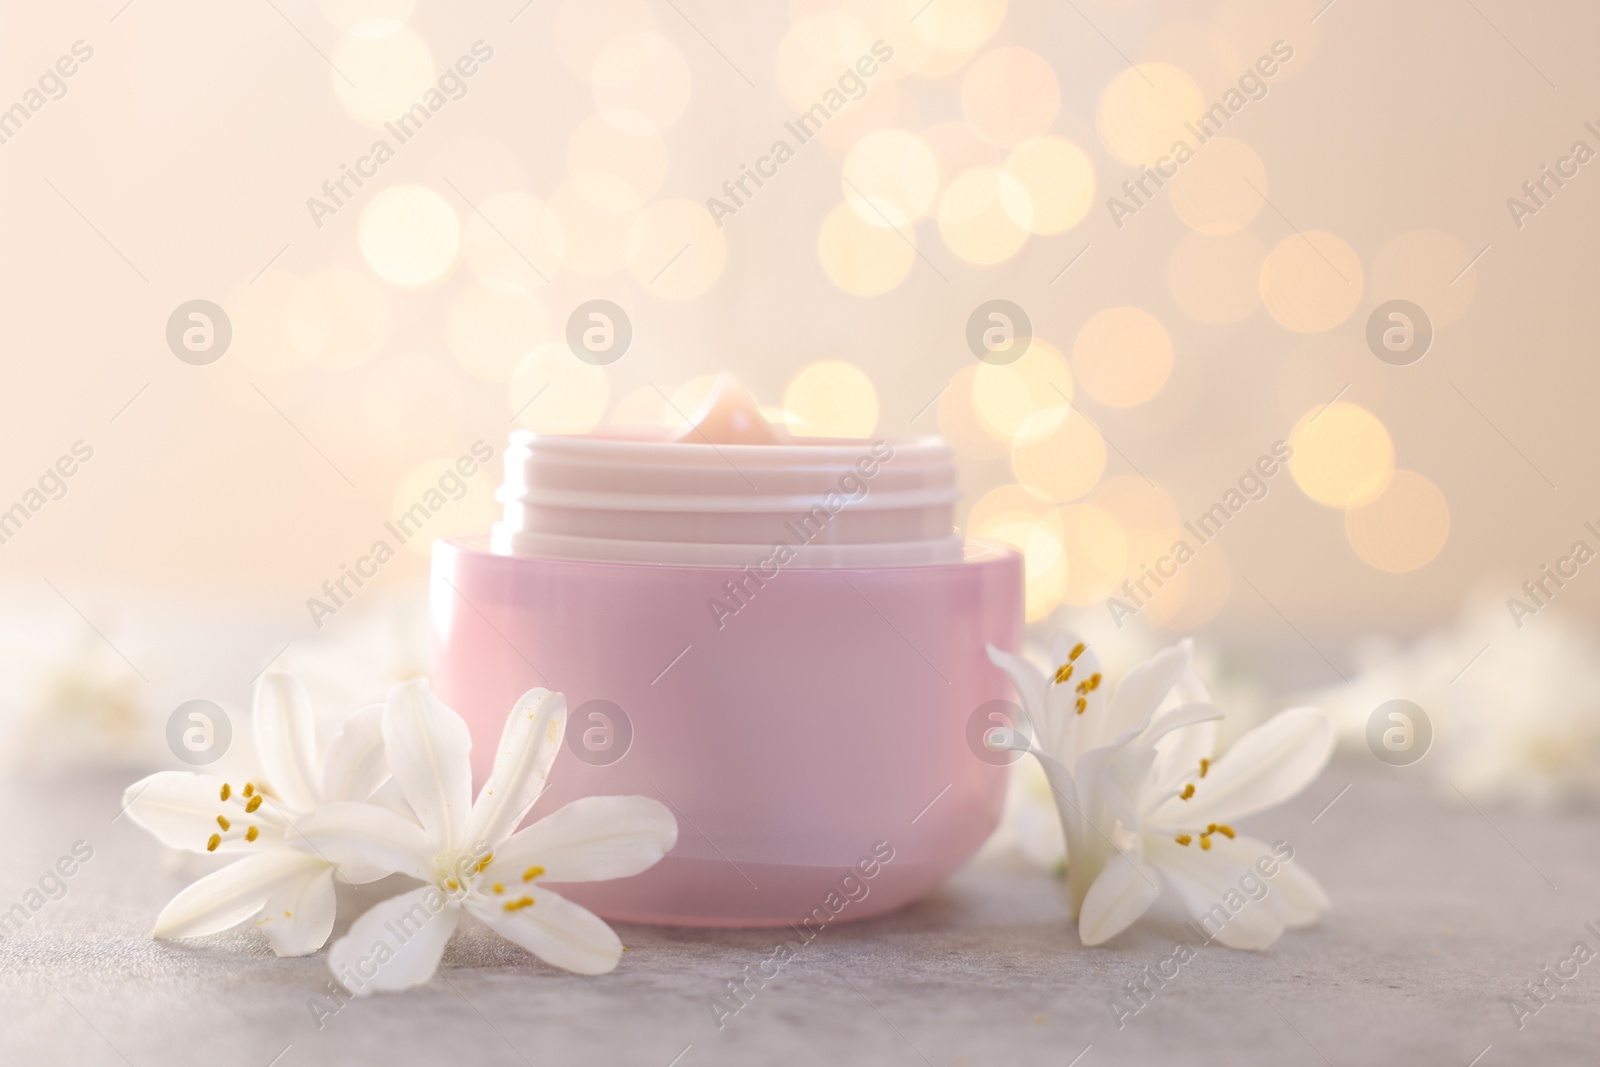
{"x":1442,"y":913}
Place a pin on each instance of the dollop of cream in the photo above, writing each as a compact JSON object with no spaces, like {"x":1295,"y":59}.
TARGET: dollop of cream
{"x":730,"y":416}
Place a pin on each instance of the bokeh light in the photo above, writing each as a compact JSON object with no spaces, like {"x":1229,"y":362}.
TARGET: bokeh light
{"x":1058,"y":454}
{"x":409,"y":235}
{"x":890,"y":178}
{"x":389,"y":69}
{"x":582,"y":29}
{"x":1425,"y":267}
{"x":1010,"y":95}
{"x":958,"y":149}
{"x":954,"y":28}
{"x":1221,"y":189}
{"x":1311,"y":282}
{"x":675,"y":249}
{"x":1122,"y":356}
{"x":488,"y":332}
{"x":1403,"y":528}
{"x":553,"y":391}
{"x":639,"y":159}
{"x":985,"y":216}
{"x":1059,"y":179}
{"x":1343,"y":456}
{"x":959,"y":423}
{"x":337,"y":318}
{"x":513,"y":242}
{"x":1006,"y":396}
{"x":861,"y":258}
{"x":1216,"y":280}
{"x":641,"y":82}
{"x":832,"y":398}
{"x":1011,"y":515}
{"x":1142,"y":112}
{"x":1098,"y":551}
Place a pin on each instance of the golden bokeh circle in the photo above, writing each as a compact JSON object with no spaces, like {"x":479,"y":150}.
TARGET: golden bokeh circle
{"x":381,"y":70}
{"x":832,"y":398}
{"x":409,"y":235}
{"x":1010,"y":95}
{"x":1059,"y":179}
{"x":641,"y":82}
{"x":1122,"y":356}
{"x":1403,"y":528}
{"x":1058,"y":454}
{"x":959,"y":423}
{"x":985,"y":216}
{"x":1098,"y":551}
{"x":1142,"y":112}
{"x":1311,"y":282}
{"x":1343,"y":456}
{"x":1006,"y":396}
{"x":890,"y":178}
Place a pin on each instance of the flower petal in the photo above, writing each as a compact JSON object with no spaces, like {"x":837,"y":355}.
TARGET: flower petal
{"x":430,"y":753}
{"x":355,"y":764}
{"x":298,"y":917}
{"x":590,"y":840}
{"x":229,"y":896}
{"x":1297,"y":896}
{"x":1144,"y":688}
{"x":181,"y":807}
{"x":529,"y":743}
{"x":286,"y":739}
{"x":1029,"y":682}
{"x":1123,"y":891}
{"x":1215,"y":887}
{"x":362,"y":836}
{"x":553,"y":928}
{"x":396,"y":944}
{"x":1264,"y":767}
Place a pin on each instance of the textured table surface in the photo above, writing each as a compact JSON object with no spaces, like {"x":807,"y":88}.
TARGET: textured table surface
{"x":1442,"y":911}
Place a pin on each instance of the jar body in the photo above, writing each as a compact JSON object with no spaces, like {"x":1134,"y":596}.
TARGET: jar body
{"x":814,"y":724}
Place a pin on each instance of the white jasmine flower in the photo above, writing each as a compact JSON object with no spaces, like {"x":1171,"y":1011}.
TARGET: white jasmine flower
{"x":1139,"y":795}
{"x":467,"y":854}
{"x":289,"y":891}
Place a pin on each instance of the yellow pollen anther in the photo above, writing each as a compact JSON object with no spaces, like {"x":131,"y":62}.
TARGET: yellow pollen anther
{"x":487,"y":859}
{"x":1205,"y":765}
{"x":452,"y":883}
{"x":227,"y":790}
{"x":518,"y":904}
{"x":1183,"y":839}
{"x":249,"y":790}
{"x":216,"y":839}
{"x":222,"y":821}
{"x":252,"y":833}
{"x":1225,"y":831}
{"x":531,"y":873}
{"x":1077,"y":650}
{"x":1211,"y":828}
{"x":1082,"y":705}
{"x":1188,"y":791}
{"x":1205,"y":842}
{"x":1063,"y":673}
{"x":498,"y":888}
{"x":255,"y":802}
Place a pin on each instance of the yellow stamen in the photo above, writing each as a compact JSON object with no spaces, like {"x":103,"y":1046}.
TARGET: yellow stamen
{"x":249,"y":790}
{"x":1082,"y":705}
{"x":1188,"y":791}
{"x":487,"y":859}
{"x":518,"y":904}
{"x":227,"y":790}
{"x":222,"y":821}
{"x":452,"y":883}
{"x":1205,"y":765}
{"x":251,"y":834}
{"x":531,"y":873}
{"x":1225,"y":831}
{"x":216,"y":839}
{"x":1183,"y":839}
{"x":1063,"y":673}
{"x":255,"y":802}
{"x":1077,"y":650}
{"x":498,"y":888}
{"x":1205,"y":842}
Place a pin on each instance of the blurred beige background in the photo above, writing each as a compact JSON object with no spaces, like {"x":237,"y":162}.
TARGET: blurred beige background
{"x":1219,"y":318}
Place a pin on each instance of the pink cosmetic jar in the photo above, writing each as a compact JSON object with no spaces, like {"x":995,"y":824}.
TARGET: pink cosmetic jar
{"x":779,"y":638}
